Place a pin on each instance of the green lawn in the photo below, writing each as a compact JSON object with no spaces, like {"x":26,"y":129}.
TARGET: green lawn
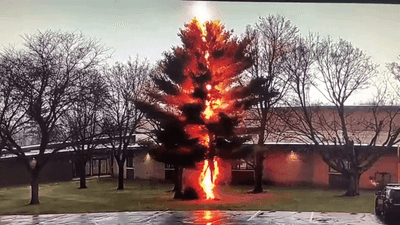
{"x":101,"y":195}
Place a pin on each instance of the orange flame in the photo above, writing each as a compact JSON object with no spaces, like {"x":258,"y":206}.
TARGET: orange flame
{"x":207,"y":181}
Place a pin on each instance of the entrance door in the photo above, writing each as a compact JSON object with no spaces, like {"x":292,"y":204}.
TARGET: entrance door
{"x":95,"y":167}
{"x":100,"y":167}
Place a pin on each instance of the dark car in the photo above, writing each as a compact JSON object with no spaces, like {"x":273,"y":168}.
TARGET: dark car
{"x":387,"y":201}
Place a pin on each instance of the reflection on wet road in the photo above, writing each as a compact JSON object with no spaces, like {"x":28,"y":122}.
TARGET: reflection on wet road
{"x":200,"y":217}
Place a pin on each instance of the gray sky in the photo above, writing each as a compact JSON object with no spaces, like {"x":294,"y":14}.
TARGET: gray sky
{"x":149,"y":27}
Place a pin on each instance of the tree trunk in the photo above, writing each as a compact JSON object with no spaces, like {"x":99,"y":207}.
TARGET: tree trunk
{"x":175,"y":178}
{"x":178,"y":184}
{"x":120,"y":176}
{"x":259,"y":156}
{"x":258,"y":172}
{"x":354,"y":183}
{"x":34,"y":187}
{"x":82,"y":174}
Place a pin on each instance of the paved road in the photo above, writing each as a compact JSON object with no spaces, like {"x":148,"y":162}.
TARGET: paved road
{"x":195,"y":217}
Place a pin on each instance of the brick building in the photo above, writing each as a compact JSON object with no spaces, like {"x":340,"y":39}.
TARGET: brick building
{"x":286,"y":163}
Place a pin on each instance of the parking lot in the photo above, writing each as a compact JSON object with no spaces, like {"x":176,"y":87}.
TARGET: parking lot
{"x":206,"y":217}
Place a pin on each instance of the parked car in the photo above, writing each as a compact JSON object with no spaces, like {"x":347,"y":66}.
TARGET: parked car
{"x":387,"y":201}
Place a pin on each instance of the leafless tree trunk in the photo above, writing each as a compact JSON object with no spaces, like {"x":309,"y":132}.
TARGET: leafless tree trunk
{"x":83,"y":119}
{"x":82,"y":172}
{"x":272,"y":38}
{"x":126,"y":83}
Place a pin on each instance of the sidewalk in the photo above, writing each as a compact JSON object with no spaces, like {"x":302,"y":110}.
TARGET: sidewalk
{"x":92,"y":177}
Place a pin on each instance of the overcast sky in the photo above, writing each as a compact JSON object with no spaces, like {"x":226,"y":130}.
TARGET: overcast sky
{"x":149,"y":27}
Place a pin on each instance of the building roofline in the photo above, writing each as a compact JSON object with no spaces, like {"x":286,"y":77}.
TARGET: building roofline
{"x":349,"y":108}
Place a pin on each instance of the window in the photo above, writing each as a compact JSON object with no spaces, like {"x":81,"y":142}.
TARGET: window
{"x":169,"y":166}
{"x":331,"y":170}
{"x":129,"y":162}
{"x":346,"y":166}
{"x":395,"y":195}
{"x":241,"y":166}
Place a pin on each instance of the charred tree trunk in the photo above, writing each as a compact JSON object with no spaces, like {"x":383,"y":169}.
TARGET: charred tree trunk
{"x":178,"y":192}
{"x":354,"y":184}
{"x":82,"y":174}
{"x":34,"y":187}
{"x":120,"y":175}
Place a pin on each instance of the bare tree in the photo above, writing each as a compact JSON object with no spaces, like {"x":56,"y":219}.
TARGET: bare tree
{"x":13,"y":120}
{"x":122,"y":120}
{"x":393,"y":77}
{"x":348,"y":143}
{"x":43,"y":75}
{"x":272,"y":38}
{"x":300,"y":62}
{"x":394,"y":68}
{"x":83,"y":119}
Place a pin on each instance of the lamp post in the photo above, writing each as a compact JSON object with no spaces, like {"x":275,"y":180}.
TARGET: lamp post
{"x":33,"y":163}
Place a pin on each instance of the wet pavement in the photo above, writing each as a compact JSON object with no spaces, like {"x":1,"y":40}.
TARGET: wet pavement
{"x":200,"y":217}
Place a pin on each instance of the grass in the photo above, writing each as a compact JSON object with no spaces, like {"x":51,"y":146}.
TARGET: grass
{"x":102,"y":196}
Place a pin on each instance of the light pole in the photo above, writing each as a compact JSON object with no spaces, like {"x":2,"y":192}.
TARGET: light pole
{"x":33,"y":163}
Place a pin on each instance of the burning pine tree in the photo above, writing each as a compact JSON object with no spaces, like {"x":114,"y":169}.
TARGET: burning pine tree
{"x":200,"y":103}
